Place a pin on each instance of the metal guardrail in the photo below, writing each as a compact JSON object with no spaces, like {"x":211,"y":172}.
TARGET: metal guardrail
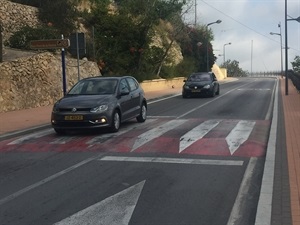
{"x":295,"y":78}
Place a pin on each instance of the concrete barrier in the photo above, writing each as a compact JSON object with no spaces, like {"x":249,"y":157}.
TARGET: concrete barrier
{"x":160,"y":84}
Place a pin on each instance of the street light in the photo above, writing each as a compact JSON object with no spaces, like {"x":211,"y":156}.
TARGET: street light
{"x":286,"y":47}
{"x":207,"y":58}
{"x":272,"y":33}
{"x":224,"y":52}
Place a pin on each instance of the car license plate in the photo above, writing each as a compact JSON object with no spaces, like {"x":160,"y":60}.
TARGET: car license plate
{"x":198,"y":90}
{"x":74,"y":117}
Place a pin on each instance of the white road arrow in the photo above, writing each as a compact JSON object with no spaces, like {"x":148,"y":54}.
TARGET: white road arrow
{"x":239,"y":135}
{"x":197,"y":133}
{"x":115,"y":210}
{"x":156,"y":132}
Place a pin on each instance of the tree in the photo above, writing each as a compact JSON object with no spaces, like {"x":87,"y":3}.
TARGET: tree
{"x":62,"y":15}
{"x":123,"y":35}
{"x":233,"y":69}
{"x":195,"y":46}
{"x":296,"y":64}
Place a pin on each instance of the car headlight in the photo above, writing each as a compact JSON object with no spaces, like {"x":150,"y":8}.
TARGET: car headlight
{"x":186,"y":87}
{"x":207,"y":86}
{"x":98,"y":109}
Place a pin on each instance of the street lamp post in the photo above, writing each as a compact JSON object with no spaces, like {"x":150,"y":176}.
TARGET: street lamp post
{"x":272,"y":33}
{"x":286,"y":47}
{"x":207,"y":58}
{"x":224,"y":52}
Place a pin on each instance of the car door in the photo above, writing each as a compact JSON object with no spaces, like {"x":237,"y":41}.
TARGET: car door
{"x":135,"y":94}
{"x":125,"y":100}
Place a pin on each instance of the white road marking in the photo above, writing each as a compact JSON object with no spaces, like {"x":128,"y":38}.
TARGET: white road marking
{"x":156,"y":132}
{"x":197,"y":133}
{"x":239,"y":134}
{"x":240,"y":201}
{"x":215,"y":99}
{"x":264,"y":209}
{"x":114,"y":210}
{"x":31,"y":136}
{"x":173,"y":160}
{"x":44,"y":181}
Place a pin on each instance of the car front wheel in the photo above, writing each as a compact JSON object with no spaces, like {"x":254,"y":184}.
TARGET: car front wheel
{"x":143,"y":114}
{"x":115,"y":122}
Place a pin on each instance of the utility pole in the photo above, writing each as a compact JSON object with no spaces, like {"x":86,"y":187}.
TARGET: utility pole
{"x":1,"y":45}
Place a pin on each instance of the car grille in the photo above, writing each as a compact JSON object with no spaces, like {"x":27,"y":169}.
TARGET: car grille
{"x":77,"y":109}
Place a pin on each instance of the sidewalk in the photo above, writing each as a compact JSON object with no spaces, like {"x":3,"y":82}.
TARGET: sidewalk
{"x":36,"y":117}
{"x":39,"y":117}
{"x":291,"y":108}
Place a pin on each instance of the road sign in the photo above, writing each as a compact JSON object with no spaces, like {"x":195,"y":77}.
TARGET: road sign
{"x":50,"y":44}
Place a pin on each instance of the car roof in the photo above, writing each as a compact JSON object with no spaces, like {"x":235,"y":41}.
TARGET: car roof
{"x":103,"y":77}
{"x":200,"y":73}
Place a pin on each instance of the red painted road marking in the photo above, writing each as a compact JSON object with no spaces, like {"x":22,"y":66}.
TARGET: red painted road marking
{"x":194,"y":136}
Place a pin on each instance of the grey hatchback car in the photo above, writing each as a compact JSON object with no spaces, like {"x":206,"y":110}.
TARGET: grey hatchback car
{"x":97,"y":102}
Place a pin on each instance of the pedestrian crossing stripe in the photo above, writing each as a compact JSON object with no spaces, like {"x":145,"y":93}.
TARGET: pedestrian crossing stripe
{"x":159,"y":135}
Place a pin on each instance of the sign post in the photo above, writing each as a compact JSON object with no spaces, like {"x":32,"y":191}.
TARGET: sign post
{"x":63,"y":62}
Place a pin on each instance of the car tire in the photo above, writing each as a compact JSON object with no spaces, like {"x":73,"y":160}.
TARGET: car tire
{"x":184,"y":95}
{"x":115,"y":122}
{"x":218,"y":91}
{"x":143,"y":114}
{"x":212,"y":94}
{"x":59,"y":131}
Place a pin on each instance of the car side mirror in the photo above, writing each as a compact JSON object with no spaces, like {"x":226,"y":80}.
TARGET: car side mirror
{"x":125,"y":91}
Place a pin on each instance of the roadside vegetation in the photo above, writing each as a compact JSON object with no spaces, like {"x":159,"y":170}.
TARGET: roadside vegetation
{"x":120,"y":36}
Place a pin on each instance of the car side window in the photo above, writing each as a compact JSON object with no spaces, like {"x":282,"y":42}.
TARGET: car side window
{"x":123,"y":86}
{"x":132,"y":84}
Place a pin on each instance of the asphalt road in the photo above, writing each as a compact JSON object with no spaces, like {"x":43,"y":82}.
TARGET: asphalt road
{"x":194,"y":161}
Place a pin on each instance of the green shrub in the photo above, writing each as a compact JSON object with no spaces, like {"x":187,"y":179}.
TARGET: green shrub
{"x":21,"y":39}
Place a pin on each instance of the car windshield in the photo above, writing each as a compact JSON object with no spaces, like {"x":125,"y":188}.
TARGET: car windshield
{"x":199,"y":77}
{"x":94,"y":87}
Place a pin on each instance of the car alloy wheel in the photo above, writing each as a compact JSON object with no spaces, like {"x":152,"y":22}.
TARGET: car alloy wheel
{"x":143,"y":114}
{"x":116,"y":121}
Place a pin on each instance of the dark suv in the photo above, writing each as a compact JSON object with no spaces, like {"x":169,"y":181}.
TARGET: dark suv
{"x":202,"y":83}
{"x":100,"y":102}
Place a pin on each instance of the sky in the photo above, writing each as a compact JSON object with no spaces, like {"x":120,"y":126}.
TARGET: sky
{"x":247,"y":24}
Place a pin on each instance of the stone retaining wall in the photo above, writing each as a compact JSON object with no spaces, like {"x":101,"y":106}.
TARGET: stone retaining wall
{"x":37,"y":80}
{"x":13,"y":16}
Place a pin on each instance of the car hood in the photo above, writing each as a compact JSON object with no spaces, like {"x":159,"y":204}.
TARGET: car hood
{"x":84,"y":101}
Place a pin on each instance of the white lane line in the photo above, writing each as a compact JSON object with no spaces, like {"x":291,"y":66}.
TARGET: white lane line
{"x":240,"y":201}
{"x":197,"y":133}
{"x":44,"y":181}
{"x":215,"y":99}
{"x":114,"y":210}
{"x":173,"y":160}
{"x":31,"y":136}
{"x":239,"y":134}
{"x":156,"y":132}
{"x":264,"y":207}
